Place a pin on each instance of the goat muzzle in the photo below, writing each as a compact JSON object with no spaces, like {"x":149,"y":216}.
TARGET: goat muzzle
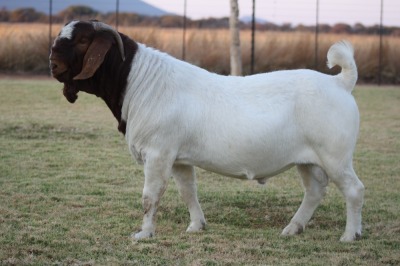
{"x":58,"y":69}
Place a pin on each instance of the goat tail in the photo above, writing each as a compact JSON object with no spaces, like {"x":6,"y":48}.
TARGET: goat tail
{"x":342,"y":54}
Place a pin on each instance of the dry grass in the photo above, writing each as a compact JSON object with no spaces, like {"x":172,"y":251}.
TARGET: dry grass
{"x":24,"y":48}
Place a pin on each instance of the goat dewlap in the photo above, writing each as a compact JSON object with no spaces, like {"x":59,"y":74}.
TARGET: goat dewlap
{"x":175,"y":116}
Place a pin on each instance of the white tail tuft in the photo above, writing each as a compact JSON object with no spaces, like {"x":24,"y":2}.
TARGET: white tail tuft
{"x":342,"y":54}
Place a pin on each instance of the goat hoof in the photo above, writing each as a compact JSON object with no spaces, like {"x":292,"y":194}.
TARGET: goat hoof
{"x":142,"y":235}
{"x":350,"y":237}
{"x":292,"y":229}
{"x":196,"y":226}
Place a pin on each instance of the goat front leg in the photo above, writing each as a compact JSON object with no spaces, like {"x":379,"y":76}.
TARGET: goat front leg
{"x":156,"y":173}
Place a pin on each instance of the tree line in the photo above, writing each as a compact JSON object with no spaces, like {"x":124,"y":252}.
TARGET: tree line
{"x":174,"y":21}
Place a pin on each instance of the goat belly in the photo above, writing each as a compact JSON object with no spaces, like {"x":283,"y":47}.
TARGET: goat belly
{"x":260,"y":160}
{"x":250,"y":146}
{"x":239,"y":170}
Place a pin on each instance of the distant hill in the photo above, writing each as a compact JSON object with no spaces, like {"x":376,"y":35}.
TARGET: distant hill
{"x":131,"y":6}
{"x":248,"y":19}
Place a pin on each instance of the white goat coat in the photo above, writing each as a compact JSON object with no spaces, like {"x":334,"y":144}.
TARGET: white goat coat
{"x":247,"y":127}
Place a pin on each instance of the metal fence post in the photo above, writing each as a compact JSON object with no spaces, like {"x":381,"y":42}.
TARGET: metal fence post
{"x":50,"y":26}
{"x":184,"y":30}
{"x":117,"y":15}
{"x":380,"y":46}
{"x":316,"y":35}
{"x":253,"y":29}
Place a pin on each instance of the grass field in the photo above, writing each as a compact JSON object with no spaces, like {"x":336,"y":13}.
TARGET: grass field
{"x":70,"y":194}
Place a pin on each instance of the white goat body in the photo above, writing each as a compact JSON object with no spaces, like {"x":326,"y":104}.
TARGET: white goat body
{"x":176,"y":116}
{"x":253,"y":127}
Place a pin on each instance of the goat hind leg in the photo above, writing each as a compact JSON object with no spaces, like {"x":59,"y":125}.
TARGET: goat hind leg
{"x":314,"y":181}
{"x":353,"y":191}
{"x":185,"y":179}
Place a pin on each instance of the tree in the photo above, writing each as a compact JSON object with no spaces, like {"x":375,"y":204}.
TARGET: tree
{"x":4,"y":15}
{"x":78,"y":12}
{"x":171,"y":21}
{"x":341,"y":28}
{"x":25,"y":15}
{"x":236,"y":55}
{"x":359,"y":28}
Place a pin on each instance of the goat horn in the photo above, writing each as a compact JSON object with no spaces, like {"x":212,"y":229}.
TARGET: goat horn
{"x":99,"y":26}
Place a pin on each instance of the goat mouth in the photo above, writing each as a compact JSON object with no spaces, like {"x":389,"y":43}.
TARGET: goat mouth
{"x":58,"y":70}
{"x":60,"y":76}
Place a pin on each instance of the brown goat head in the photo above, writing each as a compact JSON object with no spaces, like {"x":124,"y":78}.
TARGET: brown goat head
{"x":91,"y":56}
{"x":79,"y":51}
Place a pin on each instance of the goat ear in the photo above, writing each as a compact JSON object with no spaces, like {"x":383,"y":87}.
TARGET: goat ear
{"x":94,"y":57}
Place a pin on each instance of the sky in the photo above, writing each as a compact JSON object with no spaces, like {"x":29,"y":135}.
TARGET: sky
{"x":367,"y":12}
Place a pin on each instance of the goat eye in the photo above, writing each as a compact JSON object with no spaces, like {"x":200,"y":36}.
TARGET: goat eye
{"x":83,"y":40}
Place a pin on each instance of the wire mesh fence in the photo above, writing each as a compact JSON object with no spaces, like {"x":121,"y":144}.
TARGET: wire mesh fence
{"x":307,"y":26}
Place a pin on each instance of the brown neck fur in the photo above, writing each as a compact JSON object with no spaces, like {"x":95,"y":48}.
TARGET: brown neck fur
{"x":110,"y":80}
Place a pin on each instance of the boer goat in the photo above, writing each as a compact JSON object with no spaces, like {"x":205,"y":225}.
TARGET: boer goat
{"x":176,"y":116}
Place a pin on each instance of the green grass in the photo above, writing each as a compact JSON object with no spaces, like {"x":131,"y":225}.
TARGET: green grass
{"x":71,"y":194}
